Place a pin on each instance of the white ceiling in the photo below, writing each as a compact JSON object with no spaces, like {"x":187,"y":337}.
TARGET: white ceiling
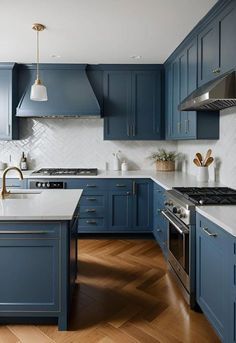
{"x":97,"y":31}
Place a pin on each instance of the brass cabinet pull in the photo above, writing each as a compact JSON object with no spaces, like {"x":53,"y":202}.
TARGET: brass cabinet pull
{"x":216,"y":71}
{"x":91,"y":199}
{"x":186,"y":126}
{"x":91,"y":222}
{"x":205,"y":229}
{"x":178,"y":127}
{"x":120,"y":185}
{"x":133,"y":130}
{"x":90,"y":210}
{"x":13,"y":232}
{"x":90,"y":186}
{"x":134,"y":188}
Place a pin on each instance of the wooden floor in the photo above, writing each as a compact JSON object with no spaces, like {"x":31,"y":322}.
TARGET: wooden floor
{"x":124,"y":295}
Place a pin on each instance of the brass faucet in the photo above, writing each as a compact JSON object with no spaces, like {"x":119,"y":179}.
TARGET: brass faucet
{"x":4,"y":192}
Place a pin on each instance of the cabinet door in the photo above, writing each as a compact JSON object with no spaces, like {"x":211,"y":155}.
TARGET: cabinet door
{"x":208,"y":53}
{"x":212,"y":274}
{"x":142,"y":205}
{"x":168,"y":102}
{"x":120,"y":211}
{"x":227,"y":29}
{"x":29,"y":269}
{"x":117,"y":105}
{"x":176,"y":114}
{"x":5,"y":103}
{"x":146,"y":105}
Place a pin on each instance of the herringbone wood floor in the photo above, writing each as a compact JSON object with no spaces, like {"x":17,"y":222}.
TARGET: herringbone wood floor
{"x":124,"y":295}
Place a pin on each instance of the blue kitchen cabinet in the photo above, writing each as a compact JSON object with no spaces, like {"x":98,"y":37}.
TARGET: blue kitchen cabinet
{"x":120,"y":211}
{"x":133,"y":103}
{"x":159,"y":222}
{"x":217,"y":46}
{"x":212,"y":276}
{"x":142,"y":205}
{"x":38,"y":266}
{"x":8,"y":102}
{"x":181,"y":80}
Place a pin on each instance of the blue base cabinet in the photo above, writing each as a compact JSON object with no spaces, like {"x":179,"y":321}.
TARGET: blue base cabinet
{"x":213,"y":277}
{"x":159,"y":222}
{"x":38,"y":266}
{"x":113,"y":205}
{"x":133,"y":102}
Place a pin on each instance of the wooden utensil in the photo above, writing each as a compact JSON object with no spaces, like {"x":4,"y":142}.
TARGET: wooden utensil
{"x":209,"y":161}
{"x":197,"y":162}
{"x":208,"y":154}
{"x":199,"y":157}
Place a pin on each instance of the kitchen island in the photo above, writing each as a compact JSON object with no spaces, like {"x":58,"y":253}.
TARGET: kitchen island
{"x":38,"y":255}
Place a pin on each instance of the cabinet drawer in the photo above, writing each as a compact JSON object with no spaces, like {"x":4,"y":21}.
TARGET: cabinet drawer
{"x":121,"y":184}
{"x":15,"y":183}
{"x":91,"y":211}
{"x":87,"y":184}
{"x":91,"y":224}
{"x":20,"y":231}
{"x":92,"y":200}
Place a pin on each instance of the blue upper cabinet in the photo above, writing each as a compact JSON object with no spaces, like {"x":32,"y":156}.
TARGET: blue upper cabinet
{"x":133,"y":103}
{"x":8,"y":102}
{"x":181,"y":80}
{"x":217,"y":45}
{"x":117,"y":105}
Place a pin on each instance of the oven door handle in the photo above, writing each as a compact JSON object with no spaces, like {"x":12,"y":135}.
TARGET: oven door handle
{"x":182,"y":232}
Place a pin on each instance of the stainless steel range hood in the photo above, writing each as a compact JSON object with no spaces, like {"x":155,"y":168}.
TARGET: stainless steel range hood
{"x":215,"y":95}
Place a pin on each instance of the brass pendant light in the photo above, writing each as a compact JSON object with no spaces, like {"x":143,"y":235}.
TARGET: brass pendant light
{"x":38,"y":90}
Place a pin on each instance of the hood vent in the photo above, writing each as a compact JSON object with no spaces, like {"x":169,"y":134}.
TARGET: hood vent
{"x":70,"y":93}
{"x":215,"y":95}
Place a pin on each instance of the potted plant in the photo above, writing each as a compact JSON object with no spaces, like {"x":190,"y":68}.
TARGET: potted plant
{"x":164,"y":160}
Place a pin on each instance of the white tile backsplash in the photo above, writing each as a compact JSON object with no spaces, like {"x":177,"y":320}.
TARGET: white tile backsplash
{"x":224,"y":150}
{"x":74,"y":143}
{"x":79,"y":143}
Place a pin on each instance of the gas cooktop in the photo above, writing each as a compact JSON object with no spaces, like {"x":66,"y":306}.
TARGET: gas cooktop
{"x":66,"y":171}
{"x":208,"y":195}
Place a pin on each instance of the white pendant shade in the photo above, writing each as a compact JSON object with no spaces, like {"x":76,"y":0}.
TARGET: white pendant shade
{"x":38,"y":92}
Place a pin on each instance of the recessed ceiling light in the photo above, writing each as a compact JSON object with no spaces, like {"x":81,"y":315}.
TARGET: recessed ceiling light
{"x":55,"y":56}
{"x":136,"y":57}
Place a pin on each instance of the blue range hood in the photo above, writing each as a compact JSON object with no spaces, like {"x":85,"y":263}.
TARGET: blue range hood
{"x":70,"y":93}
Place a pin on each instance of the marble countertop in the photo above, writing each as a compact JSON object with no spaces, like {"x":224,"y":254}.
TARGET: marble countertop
{"x":55,"y":204}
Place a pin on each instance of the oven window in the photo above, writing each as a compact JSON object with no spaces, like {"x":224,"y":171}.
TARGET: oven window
{"x":179,"y":246}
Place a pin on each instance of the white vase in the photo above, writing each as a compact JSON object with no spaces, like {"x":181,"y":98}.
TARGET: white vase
{"x":203,"y":174}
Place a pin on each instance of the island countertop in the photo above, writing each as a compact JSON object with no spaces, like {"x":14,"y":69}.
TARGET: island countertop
{"x":53,"y":204}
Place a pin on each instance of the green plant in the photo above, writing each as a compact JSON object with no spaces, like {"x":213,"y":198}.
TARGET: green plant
{"x":163,"y":155}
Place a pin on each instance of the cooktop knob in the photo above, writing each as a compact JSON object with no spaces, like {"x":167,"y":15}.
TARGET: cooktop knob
{"x":48,"y":185}
{"x":39,"y":184}
{"x":176,"y":210}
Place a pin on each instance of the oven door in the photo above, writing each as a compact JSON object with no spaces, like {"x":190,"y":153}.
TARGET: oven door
{"x":178,"y":242}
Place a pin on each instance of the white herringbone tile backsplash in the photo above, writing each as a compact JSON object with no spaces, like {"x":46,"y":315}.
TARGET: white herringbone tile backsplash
{"x":74,"y":143}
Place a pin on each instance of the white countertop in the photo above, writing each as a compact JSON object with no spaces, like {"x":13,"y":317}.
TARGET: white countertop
{"x":224,"y":216}
{"x":55,"y":204}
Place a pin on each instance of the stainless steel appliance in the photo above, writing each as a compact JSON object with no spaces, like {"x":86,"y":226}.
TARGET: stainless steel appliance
{"x":180,"y":213}
{"x":215,"y":95}
{"x":66,"y":171}
{"x":46,"y":184}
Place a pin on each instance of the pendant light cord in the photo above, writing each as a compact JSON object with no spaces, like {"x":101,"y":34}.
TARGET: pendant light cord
{"x":37,"y":76}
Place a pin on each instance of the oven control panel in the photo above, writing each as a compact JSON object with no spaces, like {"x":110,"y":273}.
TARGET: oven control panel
{"x":178,"y":210}
{"x":47,"y":184}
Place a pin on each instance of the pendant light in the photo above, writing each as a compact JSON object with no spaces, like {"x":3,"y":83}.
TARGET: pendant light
{"x":38,"y":90}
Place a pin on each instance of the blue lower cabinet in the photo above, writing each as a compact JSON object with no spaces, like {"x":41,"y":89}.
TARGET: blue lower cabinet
{"x":159,"y":222}
{"x":38,"y":269}
{"x":213,"y":278}
{"x":120,"y":211}
{"x":142,"y":205}
{"x":15,"y":183}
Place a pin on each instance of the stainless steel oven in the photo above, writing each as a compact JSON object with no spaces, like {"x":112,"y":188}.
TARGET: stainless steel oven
{"x":178,"y":247}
